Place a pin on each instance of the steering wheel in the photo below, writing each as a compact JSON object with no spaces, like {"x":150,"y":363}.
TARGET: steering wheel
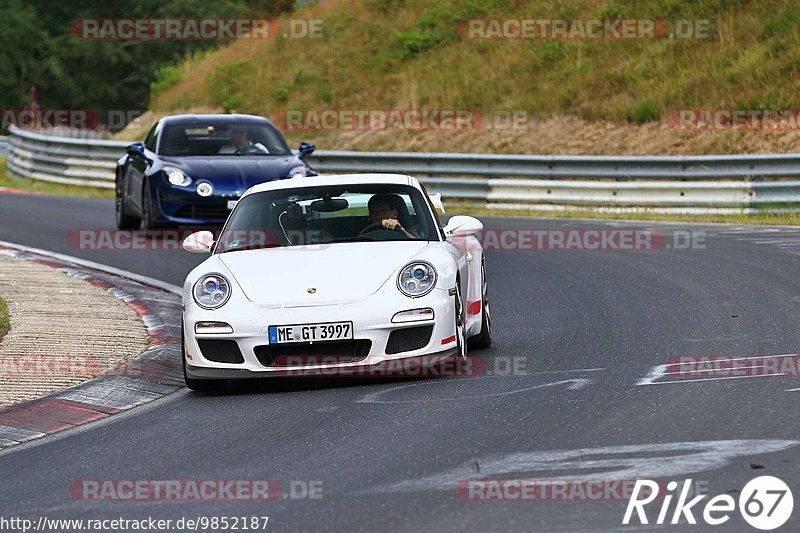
{"x":251,"y":149}
{"x":372,"y":227}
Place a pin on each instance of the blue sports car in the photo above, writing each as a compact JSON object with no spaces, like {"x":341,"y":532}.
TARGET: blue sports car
{"x":191,"y":169}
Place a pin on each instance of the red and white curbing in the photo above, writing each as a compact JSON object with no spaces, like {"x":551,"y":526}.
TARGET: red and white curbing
{"x":153,"y":374}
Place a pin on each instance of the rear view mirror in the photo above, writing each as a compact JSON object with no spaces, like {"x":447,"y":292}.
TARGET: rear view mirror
{"x":330,"y":205}
{"x":199,"y":242}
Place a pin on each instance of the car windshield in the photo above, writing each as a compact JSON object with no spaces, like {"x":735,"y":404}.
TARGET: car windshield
{"x":328,"y":215}
{"x":221,"y":139}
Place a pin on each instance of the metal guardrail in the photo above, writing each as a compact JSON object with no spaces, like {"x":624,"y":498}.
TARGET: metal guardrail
{"x":515,"y":181}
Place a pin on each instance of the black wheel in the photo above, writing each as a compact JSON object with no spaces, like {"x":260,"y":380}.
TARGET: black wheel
{"x":461,"y":331}
{"x":124,"y":220}
{"x":200,"y":385}
{"x":148,"y":211}
{"x":484,"y":338}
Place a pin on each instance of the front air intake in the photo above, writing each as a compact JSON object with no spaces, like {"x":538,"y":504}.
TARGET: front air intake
{"x":220,"y":351}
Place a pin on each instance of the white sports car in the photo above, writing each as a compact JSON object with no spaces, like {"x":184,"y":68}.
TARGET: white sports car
{"x":334,"y":272}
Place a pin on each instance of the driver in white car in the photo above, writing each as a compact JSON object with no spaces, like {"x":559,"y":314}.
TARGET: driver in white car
{"x":381,"y":211}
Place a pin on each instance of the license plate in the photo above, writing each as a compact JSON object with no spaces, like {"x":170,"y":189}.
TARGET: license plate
{"x":325,"y":331}
{"x":232,"y":204}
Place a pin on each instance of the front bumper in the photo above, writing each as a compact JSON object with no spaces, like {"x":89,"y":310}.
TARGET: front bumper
{"x":445,"y":361}
{"x":372,"y":325}
{"x":187,"y":207}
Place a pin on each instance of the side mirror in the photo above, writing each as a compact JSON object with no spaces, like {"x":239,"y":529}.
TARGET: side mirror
{"x":306,"y":148}
{"x":136,"y":149}
{"x":199,"y":242}
{"x":463,"y":226}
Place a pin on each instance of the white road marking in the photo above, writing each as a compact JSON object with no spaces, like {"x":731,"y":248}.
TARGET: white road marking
{"x":708,"y":379}
{"x":678,"y":459}
{"x":374,"y":397}
{"x":661,"y":370}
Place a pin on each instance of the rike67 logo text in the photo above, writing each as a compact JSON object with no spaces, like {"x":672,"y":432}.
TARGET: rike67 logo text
{"x":765,"y":503}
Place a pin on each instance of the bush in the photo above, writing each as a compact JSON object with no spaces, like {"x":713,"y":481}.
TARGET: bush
{"x":227,"y":84}
{"x":644,"y":111}
{"x":165,"y":77}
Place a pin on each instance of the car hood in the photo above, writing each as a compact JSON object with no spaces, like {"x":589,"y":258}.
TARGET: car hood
{"x":337,"y":272}
{"x":236,"y":172}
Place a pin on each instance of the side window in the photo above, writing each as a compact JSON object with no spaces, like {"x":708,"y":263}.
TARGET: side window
{"x":150,"y":140}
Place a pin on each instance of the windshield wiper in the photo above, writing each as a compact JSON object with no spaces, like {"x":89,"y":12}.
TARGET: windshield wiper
{"x":244,"y":247}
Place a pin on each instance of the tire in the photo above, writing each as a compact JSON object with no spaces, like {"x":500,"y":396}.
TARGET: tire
{"x":124,"y":221}
{"x":484,"y":338}
{"x":148,"y":214}
{"x":199,"y":385}
{"x":461,"y":330}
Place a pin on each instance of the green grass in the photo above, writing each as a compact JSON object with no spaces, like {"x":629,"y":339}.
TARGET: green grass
{"x":387,"y":54}
{"x":5,"y":323}
{"x":44,"y":187}
{"x":789,"y":218}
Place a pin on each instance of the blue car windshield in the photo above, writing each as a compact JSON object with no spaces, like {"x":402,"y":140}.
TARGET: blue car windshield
{"x":328,"y":215}
{"x":221,"y":139}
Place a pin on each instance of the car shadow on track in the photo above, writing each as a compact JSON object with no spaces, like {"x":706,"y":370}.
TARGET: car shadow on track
{"x":325,"y":380}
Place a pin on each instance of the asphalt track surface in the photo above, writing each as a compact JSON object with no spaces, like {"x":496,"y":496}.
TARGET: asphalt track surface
{"x":588,"y":328}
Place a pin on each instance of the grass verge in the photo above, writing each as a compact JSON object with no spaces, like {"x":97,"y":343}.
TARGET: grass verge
{"x":5,"y":324}
{"x":769,"y":219}
{"x":45,"y":187}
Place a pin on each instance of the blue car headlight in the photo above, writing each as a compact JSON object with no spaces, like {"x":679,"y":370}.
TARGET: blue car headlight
{"x":211,"y":291}
{"x":416,"y":279}
{"x":177,"y":177}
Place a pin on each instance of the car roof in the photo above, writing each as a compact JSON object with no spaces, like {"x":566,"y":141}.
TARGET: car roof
{"x":334,"y":179}
{"x":230,"y":118}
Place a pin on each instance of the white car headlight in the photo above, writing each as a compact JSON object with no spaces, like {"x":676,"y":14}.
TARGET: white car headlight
{"x":298,"y":171}
{"x":212,"y":291}
{"x":417,"y":279}
{"x":177,"y":177}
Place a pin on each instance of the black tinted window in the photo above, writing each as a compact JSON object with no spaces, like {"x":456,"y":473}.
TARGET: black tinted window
{"x":211,"y":139}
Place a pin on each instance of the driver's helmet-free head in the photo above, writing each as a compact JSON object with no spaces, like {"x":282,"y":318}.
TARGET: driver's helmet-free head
{"x":383,"y":206}
{"x":239,"y":136}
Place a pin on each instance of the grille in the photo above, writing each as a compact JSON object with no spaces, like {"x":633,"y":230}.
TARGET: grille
{"x":205,"y":209}
{"x":305,"y":354}
{"x":205,"y":212}
{"x":220,"y":351}
{"x":408,"y":339}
